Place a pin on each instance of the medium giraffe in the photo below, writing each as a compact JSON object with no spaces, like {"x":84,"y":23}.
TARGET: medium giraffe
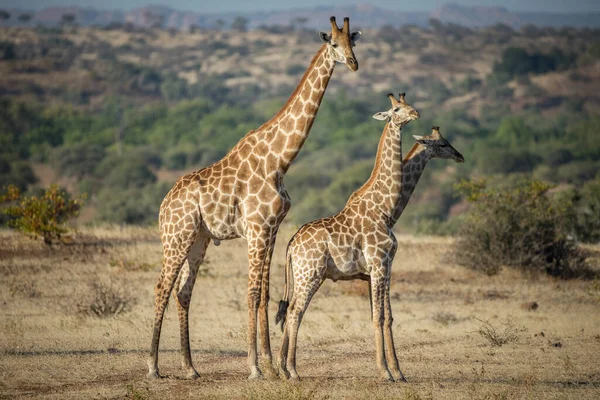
{"x":242,"y":196}
{"x":356,"y":241}
{"x":413,"y":165}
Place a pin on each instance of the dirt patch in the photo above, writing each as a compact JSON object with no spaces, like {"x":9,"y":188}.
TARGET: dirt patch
{"x":50,"y":350}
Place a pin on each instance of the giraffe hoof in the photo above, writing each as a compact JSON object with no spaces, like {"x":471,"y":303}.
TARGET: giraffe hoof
{"x":388,"y":377}
{"x":192,"y":375}
{"x":283,"y":373}
{"x":153,"y":375}
{"x":255,"y":375}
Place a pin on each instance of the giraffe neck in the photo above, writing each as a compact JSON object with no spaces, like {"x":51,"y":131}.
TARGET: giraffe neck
{"x":285,"y":133}
{"x":382,"y":190}
{"x":413,"y":166}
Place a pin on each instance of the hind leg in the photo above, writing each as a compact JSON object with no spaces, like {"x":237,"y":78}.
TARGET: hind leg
{"x":183,"y":296}
{"x":176,"y":249}
{"x":302,"y":298}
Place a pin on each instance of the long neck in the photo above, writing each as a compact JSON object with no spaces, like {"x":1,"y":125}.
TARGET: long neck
{"x":287,"y":131}
{"x":382,"y":191}
{"x":412,"y":167}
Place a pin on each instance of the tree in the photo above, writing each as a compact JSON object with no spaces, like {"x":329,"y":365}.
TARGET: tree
{"x":4,"y":15}
{"x":436,"y":25}
{"x":153,"y":20}
{"x":299,"y":23}
{"x":67,"y":19}
{"x":219,"y":24}
{"x":25,"y":17}
{"x":240,"y":24}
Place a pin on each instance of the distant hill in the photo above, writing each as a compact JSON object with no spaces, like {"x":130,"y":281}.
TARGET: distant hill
{"x":362,"y":16}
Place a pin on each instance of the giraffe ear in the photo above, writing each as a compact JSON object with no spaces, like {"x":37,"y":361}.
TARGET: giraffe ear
{"x":325,"y":37}
{"x":354,"y":36}
{"x":382,"y":115}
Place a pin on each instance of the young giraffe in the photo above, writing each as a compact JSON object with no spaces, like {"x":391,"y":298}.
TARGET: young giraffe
{"x":242,"y":196}
{"x":356,"y":241}
{"x":324,"y":236}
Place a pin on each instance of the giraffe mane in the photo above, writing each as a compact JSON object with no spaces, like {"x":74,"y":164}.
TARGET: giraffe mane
{"x":411,"y":153}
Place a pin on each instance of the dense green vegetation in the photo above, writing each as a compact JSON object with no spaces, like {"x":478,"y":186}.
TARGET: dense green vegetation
{"x":151,"y":122}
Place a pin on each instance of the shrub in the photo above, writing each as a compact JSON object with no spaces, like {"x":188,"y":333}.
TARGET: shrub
{"x":520,"y":227}
{"x":588,"y":212}
{"x":45,"y":216}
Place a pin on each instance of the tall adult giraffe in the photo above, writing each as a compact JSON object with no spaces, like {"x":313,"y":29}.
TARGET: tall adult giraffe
{"x":242,"y":196}
{"x":358,"y":242}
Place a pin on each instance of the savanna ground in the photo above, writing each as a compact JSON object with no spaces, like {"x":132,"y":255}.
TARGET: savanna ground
{"x":446,"y":320}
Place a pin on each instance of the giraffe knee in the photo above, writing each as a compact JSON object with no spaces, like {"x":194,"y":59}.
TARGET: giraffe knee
{"x":253,"y":299}
{"x":389,"y":322}
{"x":183,"y":299}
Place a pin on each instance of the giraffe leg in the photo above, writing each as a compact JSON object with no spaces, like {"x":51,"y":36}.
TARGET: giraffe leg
{"x":175,"y":254}
{"x":183,"y":296}
{"x":378,"y":289}
{"x":283,"y":351}
{"x":263,"y":313}
{"x":257,"y":256}
{"x":390,"y":350}
{"x":302,"y":298}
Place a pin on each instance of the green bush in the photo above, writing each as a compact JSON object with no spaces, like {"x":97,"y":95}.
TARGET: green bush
{"x":45,"y":216}
{"x":588,"y":212}
{"x":134,"y":205}
{"x":15,"y":172}
{"x":520,"y":227}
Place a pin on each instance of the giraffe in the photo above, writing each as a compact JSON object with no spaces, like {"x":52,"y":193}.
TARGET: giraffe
{"x":358,"y":242}
{"x":242,"y":196}
{"x":414,"y":163}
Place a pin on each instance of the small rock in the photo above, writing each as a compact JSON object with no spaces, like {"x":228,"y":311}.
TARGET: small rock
{"x":530,"y":306}
{"x":557,"y":344}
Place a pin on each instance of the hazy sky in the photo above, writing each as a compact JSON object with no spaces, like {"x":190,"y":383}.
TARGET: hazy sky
{"x":245,"y":5}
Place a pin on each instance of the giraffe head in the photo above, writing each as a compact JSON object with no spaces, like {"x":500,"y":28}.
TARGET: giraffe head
{"x":340,"y":43}
{"x":401,"y":112}
{"x":438,"y":147}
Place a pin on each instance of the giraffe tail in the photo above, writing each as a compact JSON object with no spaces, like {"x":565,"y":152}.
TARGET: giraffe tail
{"x":288,"y":280}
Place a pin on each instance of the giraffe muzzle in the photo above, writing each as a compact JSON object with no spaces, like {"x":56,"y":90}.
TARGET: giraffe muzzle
{"x":352,"y":63}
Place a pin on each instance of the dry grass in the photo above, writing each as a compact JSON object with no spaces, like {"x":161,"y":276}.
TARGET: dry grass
{"x":499,"y":336}
{"x":50,"y":351}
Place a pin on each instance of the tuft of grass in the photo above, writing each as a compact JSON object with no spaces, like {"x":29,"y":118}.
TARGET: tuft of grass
{"x":444,"y":318}
{"x":104,"y":299}
{"x":498,"y":336}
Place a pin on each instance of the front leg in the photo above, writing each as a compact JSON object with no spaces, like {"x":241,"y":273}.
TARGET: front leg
{"x":390,"y":350}
{"x":263,"y":313}
{"x":378,"y":297}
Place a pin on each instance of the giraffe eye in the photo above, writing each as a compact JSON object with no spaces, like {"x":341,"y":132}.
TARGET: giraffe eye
{"x":334,"y":45}
{"x":397,"y":109}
